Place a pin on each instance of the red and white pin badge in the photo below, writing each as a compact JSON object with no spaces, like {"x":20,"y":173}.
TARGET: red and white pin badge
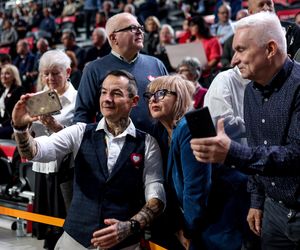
{"x":136,"y":159}
{"x":151,"y":78}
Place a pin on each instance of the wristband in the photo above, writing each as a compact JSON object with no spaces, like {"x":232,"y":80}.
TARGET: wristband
{"x":135,"y":226}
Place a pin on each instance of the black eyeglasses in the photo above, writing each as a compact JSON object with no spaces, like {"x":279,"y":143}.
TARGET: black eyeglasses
{"x":158,"y":95}
{"x":132,"y":28}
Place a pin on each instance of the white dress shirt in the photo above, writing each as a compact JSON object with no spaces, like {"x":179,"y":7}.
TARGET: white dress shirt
{"x":225,"y":99}
{"x":69,"y":140}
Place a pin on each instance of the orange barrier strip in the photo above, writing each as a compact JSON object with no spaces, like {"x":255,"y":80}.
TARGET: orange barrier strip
{"x":155,"y":247}
{"x":32,"y":216}
{"x":48,"y":220}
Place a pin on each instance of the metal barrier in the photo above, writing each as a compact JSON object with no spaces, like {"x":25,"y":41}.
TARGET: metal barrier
{"x":32,"y":216}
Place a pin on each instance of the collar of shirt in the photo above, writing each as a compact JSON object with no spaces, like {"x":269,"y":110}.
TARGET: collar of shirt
{"x":130,"y":130}
{"x":68,"y":96}
{"x":221,"y":25}
{"x":122,"y":58}
{"x":228,"y":23}
{"x":278,"y":80}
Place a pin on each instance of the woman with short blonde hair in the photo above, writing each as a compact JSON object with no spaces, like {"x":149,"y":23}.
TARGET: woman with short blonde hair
{"x":181,"y":87}
{"x":188,"y":181}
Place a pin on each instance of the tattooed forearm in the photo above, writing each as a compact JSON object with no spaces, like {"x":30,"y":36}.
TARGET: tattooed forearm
{"x":123,"y":230}
{"x":149,"y":212}
{"x":26,"y":145}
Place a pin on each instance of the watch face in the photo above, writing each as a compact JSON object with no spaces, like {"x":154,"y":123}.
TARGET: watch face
{"x":135,"y":226}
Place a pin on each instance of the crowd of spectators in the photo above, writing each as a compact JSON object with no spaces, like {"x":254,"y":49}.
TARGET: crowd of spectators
{"x":29,"y":32}
{"x":165,"y":22}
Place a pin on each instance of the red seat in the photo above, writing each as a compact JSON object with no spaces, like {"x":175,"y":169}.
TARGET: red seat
{"x":69,"y":19}
{"x":293,"y":1}
{"x":7,"y":148}
{"x":283,"y":2}
{"x":30,"y":41}
{"x":245,"y":4}
{"x":287,"y":14}
{"x":34,"y":29}
{"x":58,"y":20}
{"x":5,"y":50}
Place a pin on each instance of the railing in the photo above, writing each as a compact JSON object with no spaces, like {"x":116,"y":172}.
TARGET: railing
{"x":29,"y":216}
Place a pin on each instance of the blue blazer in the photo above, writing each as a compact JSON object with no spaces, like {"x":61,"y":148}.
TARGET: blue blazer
{"x":213,"y":200}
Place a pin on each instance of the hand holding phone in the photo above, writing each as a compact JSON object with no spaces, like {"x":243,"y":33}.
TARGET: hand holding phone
{"x":44,"y":102}
{"x":200,"y":123}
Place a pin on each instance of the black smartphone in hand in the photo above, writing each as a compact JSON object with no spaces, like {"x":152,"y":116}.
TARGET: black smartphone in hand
{"x":200,"y":123}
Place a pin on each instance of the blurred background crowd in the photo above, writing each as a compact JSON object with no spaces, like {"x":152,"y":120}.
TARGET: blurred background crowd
{"x":29,"y":29}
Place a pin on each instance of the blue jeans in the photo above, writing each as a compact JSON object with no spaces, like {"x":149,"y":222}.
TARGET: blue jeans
{"x":280,"y":227}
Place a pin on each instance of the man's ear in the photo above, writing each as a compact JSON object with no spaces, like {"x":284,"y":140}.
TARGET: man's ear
{"x":112,"y":38}
{"x":135,"y":100}
{"x":272,"y":48}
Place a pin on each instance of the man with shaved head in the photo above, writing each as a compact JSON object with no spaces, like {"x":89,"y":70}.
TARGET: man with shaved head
{"x":126,"y":37}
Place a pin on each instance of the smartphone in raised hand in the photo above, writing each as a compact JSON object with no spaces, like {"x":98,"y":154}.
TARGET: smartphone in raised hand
{"x":44,"y":102}
{"x":200,"y":123}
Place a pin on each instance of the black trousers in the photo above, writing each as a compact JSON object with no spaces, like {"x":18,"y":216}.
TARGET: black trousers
{"x":280,"y":227}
